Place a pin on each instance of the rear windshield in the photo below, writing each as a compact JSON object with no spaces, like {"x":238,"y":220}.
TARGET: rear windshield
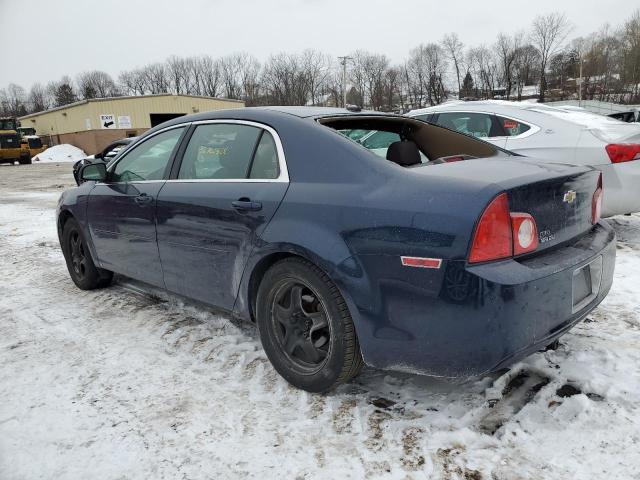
{"x":376,"y":141}
{"x":406,"y":141}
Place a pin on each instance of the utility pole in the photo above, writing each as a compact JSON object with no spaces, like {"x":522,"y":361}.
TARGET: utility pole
{"x":343,"y":61}
{"x":580,"y":83}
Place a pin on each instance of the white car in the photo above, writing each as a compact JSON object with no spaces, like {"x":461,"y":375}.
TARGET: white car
{"x":565,"y":135}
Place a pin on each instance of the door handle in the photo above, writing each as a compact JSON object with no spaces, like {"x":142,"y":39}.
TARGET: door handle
{"x":143,"y":199}
{"x":246,"y":205}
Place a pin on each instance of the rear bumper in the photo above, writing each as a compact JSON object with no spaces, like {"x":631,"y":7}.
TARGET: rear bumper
{"x":465,"y":320}
{"x":621,"y":183}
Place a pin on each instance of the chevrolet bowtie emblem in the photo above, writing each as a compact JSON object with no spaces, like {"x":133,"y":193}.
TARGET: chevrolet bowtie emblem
{"x":569,"y":197}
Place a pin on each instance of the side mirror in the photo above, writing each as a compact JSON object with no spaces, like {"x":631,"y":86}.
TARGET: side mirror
{"x":94,"y":171}
{"x":98,"y":155}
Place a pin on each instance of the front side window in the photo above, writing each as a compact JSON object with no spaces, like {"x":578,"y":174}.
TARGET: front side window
{"x":512,"y":127}
{"x":229,"y":151}
{"x":475,"y":124}
{"x":149,"y":160}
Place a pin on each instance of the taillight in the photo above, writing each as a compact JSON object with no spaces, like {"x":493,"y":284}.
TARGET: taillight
{"x":501,"y":234}
{"x":525,"y":233}
{"x":596,"y":202}
{"x":493,"y":236}
{"x":623,"y":152}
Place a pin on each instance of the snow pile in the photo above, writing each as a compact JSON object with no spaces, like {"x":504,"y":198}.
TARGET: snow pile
{"x":60,"y":153}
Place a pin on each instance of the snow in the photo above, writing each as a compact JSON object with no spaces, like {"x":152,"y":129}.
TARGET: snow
{"x":131,"y":382}
{"x":60,"y":153}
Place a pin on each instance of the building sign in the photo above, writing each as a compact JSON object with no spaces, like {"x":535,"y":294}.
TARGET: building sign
{"x":107,"y":121}
{"x":124,"y":121}
{"x":87,"y":123}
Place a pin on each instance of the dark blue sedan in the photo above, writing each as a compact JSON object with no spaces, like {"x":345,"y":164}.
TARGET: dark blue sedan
{"x":350,"y":238}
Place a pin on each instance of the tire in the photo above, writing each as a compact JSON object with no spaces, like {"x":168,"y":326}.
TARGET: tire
{"x":25,"y":161}
{"x":305,"y":327}
{"x":81,"y":268}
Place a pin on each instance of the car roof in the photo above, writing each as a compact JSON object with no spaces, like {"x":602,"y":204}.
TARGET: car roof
{"x":316,"y":112}
{"x":270,"y":115}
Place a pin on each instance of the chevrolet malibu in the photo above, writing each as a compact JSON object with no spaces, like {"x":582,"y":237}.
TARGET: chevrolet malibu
{"x":399,"y":256}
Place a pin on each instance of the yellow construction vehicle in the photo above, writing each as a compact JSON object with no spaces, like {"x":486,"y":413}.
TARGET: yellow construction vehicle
{"x":31,"y":141}
{"x":11,"y":147}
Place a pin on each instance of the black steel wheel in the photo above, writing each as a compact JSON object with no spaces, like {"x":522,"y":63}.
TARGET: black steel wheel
{"x":301,"y":325}
{"x":305,"y":326}
{"x":81,"y":268}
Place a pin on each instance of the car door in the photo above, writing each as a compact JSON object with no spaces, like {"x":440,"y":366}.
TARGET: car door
{"x":229,"y":183}
{"x":481,"y":125}
{"x":122,"y":210}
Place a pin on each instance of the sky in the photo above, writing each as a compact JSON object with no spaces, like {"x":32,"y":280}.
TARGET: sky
{"x":43,"y":40}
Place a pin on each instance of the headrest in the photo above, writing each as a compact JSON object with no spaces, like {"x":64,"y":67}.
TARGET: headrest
{"x":404,"y":153}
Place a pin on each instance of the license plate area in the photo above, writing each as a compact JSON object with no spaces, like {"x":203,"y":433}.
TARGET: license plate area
{"x":586,"y":284}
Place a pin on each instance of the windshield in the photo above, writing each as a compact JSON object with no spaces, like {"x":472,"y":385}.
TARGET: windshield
{"x":24,"y":131}
{"x":7,"y":124}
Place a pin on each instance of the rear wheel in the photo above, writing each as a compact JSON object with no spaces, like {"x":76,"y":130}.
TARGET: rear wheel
{"x":305,"y":327}
{"x":81,"y":268}
{"x":25,"y":161}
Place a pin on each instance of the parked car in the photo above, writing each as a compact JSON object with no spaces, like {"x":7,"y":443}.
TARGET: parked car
{"x":557,"y":134}
{"x":105,"y":156}
{"x":343,"y":258}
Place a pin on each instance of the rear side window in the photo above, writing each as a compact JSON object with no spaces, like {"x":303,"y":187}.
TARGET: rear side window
{"x":512,"y":127}
{"x":265,"y":160}
{"x":474,"y":124}
{"x":219,"y":151}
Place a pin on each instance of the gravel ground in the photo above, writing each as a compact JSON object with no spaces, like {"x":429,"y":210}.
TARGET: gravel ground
{"x":131,"y":382}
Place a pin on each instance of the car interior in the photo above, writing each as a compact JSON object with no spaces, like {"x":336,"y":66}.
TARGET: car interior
{"x":414,"y":142}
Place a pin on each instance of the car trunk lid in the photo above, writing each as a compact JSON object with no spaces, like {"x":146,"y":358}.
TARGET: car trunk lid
{"x":561,"y":207}
{"x":558,"y":196}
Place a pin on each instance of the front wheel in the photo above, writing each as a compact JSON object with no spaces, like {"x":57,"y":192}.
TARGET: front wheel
{"x":25,"y":161}
{"x":81,"y":268}
{"x":305,"y":327}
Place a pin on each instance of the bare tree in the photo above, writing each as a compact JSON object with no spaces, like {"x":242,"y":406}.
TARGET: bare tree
{"x":357,"y":76}
{"x":178,"y":74}
{"x":548,"y":34}
{"x":96,"y":84}
{"x":133,"y":82}
{"x":454,"y":49}
{"x":39,"y":100}
{"x":62,"y":92}
{"x":13,"y":100}
{"x":154,"y":79}
{"x":284,"y":80}
{"x":484,"y":70}
{"x":507,"y":50}
{"x":525,"y":62}
{"x":317,"y":70}
{"x":211,"y":76}
{"x":630,"y":45}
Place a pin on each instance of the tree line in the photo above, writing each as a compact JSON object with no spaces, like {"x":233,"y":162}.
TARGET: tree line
{"x":542,"y":57}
